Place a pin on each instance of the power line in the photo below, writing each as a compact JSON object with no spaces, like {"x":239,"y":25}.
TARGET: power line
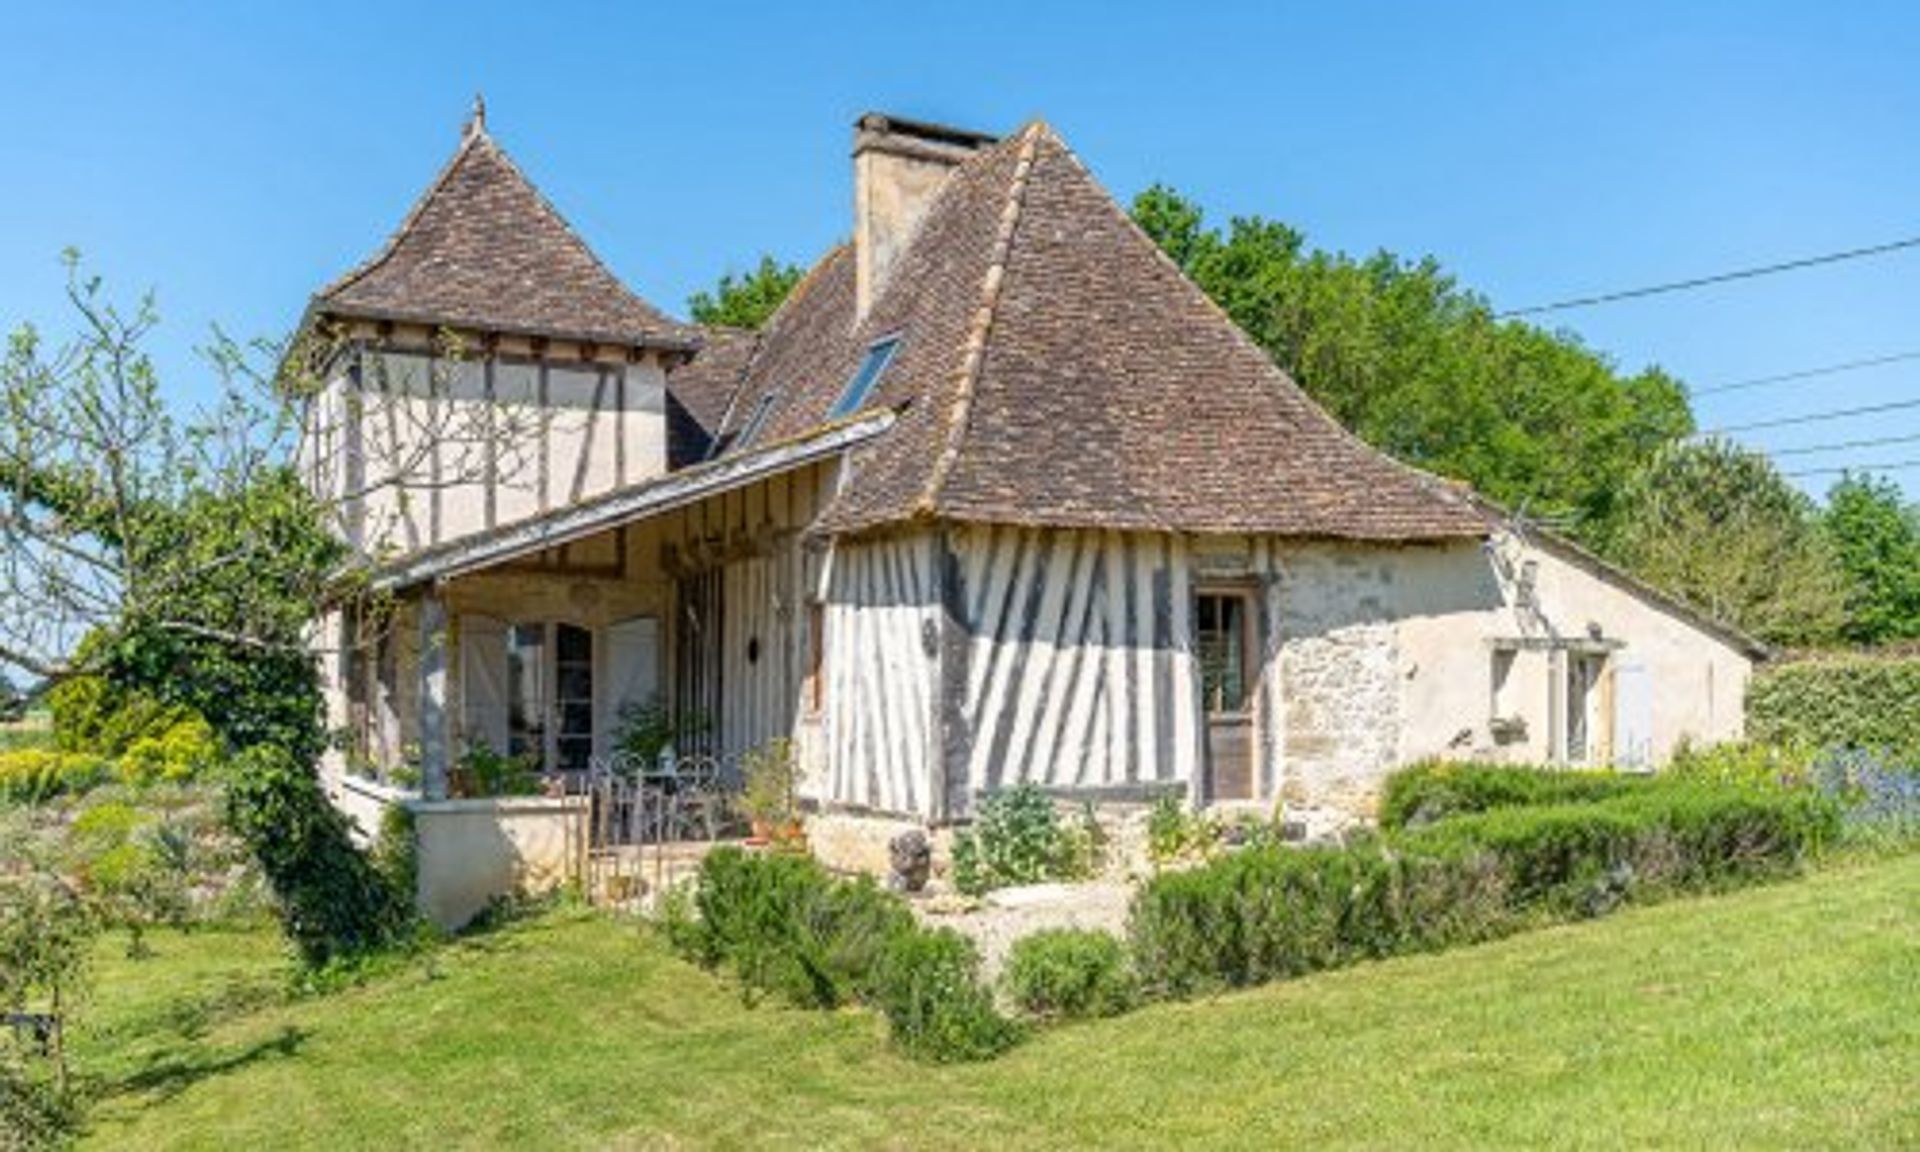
{"x":1895,"y":466}
{"x":1874,"y":442}
{"x":1717,"y":278}
{"x":1811,"y":418}
{"x":1807,"y":373}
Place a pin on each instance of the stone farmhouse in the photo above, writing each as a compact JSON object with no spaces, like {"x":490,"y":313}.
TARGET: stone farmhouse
{"x":996,"y":496}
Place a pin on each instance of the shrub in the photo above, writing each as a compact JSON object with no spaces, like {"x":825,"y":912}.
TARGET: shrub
{"x":1880,"y":802}
{"x":787,"y":927}
{"x":1176,"y":833}
{"x":333,"y":903}
{"x":46,"y":935}
{"x":1437,"y":789}
{"x":483,"y":772}
{"x":37,"y":775}
{"x":936,"y":1007}
{"x":178,"y":753}
{"x":1840,"y":702}
{"x":1269,"y":913}
{"x":1018,"y":838}
{"x":1582,"y":858}
{"x":1748,"y":763}
{"x":1073,"y":973}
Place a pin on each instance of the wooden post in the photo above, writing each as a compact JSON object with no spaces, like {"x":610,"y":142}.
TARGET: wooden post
{"x":435,"y":756}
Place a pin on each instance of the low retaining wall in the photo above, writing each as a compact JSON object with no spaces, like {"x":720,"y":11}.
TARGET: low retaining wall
{"x":365,"y":802}
{"x":472,"y":851}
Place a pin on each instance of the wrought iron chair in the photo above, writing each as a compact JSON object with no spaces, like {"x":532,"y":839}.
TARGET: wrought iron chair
{"x":699,"y":797}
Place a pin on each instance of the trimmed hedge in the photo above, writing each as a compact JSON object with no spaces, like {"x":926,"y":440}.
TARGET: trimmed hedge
{"x":1437,"y":789}
{"x":1071,"y":973}
{"x":784,"y":925}
{"x":1840,"y":702}
{"x":1267,"y":914}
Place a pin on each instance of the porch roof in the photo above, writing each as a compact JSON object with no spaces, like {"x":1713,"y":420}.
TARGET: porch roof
{"x":660,"y":494}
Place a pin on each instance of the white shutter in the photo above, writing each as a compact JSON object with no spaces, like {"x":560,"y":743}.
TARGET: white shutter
{"x":483,"y":680}
{"x":1632,"y":718}
{"x":633,"y":668}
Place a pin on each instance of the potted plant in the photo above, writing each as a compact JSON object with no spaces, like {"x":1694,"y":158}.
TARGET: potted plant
{"x":771,"y":773}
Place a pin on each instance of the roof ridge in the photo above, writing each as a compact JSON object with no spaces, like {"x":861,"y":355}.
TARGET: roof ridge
{"x":980,"y":330}
{"x":546,"y":205}
{"x":1419,"y":476}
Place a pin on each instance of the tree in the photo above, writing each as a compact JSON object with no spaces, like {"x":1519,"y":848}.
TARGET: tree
{"x":1717,"y":525}
{"x":1420,"y":368}
{"x":1877,"y":542}
{"x":184,"y":549}
{"x":747,"y":300}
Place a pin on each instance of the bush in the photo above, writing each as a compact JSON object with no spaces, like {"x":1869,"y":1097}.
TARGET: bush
{"x":1841,"y":702}
{"x":334,"y":903}
{"x":1583,"y":858}
{"x":1437,"y":789}
{"x":1176,"y":833}
{"x":938,"y":1010}
{"x":37,"y":775}
{"x":1880,"y":802}
{"x":1073,"y":973}
{"x":1018,"y":838}
{"x":1270,"y":913}
{"x":181,"y":752}
{"x":787,"y":927}
{"x":1747,"y":763}
{"x":46,"y":935}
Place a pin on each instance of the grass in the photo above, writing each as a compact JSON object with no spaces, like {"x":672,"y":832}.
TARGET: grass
{"x":1774,"y":1017}
{"x":35,"y":730}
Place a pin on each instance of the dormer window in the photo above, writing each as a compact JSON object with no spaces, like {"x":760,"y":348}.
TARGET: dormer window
{"x":879,"y":355}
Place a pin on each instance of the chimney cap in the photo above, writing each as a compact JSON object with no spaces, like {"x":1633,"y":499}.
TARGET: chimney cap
{"x":875,"y":126}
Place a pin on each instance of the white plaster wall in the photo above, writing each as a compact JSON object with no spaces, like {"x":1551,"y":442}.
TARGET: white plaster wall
{"x":1698,"y":679}
{"x":587,"y":428}
{"x":471,"y":851}
{"x":1384,"y":656}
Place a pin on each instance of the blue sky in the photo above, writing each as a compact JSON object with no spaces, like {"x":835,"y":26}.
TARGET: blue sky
{"x":236,"y":157}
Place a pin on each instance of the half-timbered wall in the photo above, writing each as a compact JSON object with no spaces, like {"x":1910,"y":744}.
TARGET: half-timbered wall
{"x":431,"y":450}
{"x":1073,"y":665}
{"x":883,"y":628}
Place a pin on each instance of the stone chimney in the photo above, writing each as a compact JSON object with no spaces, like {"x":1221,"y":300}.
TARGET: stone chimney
{"x":898,"y":166}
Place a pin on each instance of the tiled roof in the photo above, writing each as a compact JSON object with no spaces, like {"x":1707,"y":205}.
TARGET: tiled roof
{"x":700,"y":392}
{"x":483,"y":250}
{"x":1054,"y":368}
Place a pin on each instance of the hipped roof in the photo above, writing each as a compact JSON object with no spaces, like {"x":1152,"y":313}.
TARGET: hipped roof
{"x":1056,"y":369}
{"x":483,"y":250}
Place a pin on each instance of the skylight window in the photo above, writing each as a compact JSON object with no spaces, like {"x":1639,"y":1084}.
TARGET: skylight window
{"x":879,"y":355}
{"x":754,"y":422}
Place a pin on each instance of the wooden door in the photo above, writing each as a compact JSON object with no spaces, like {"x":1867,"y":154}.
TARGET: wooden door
{"x":1223,"y":635}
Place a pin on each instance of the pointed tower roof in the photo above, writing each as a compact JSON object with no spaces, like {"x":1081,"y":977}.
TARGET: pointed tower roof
{"x":484,"y":250}
{"x":1054,"y":368}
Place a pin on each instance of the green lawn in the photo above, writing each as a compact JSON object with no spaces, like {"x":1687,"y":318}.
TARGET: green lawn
{"x":1787,"y":1016}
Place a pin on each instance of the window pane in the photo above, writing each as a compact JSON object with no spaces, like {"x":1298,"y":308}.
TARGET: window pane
{"x":875,"y":363}
{"x":573,"y":643}
{"x":573,"y":682}
{"x":1221,"y":641}
{"x":526,"y":690}
{"x":574,"y":754}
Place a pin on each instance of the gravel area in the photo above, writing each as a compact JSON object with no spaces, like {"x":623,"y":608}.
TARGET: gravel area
{"x":995,"y":921}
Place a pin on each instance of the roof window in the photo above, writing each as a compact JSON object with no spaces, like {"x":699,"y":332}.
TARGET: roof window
{"x":879,"y":355}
